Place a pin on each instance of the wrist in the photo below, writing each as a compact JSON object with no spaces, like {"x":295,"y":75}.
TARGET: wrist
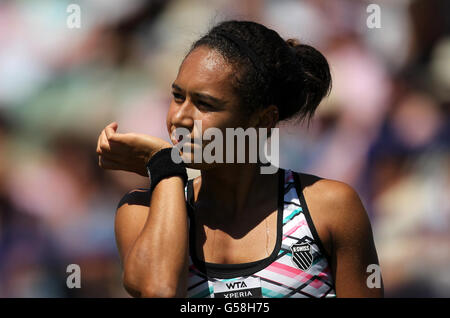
{"x":151,"y":151}
{"x":161,"y":166}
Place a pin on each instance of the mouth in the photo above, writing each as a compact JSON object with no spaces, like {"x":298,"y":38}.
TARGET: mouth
{"x":174,"y":139}
{"x":189,"y":139}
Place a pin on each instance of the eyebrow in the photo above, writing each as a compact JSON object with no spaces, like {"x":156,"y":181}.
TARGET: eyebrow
{"x":207,"y":97}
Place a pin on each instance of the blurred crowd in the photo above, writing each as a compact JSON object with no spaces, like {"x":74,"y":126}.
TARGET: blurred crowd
{"x":384,"y":129}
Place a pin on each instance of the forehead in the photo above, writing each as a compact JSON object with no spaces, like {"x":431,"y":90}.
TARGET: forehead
{"x":205,"y":70}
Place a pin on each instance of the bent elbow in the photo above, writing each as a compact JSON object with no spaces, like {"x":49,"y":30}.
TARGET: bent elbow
{"x":130,"y":284}
{"x":150,"y":289}
{"x":158,"y":292}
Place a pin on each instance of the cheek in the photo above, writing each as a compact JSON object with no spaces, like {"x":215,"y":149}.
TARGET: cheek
{"x":235,"y":121}
{"x":169,"y":116}
{"x":221,"y":123}
{"x":214,"y":121}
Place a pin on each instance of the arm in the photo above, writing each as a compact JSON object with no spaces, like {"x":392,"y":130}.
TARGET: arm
{"x":353,"y":246}
{"x":153,"y":242}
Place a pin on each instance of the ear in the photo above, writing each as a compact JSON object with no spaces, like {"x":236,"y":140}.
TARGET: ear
{"x":266,"y":118}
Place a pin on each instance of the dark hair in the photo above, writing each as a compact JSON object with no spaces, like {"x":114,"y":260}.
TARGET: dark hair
{"x":294,"y":77}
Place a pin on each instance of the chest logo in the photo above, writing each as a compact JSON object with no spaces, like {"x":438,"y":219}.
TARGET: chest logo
{"x":243,"y":288}
{"x":302,"y":255}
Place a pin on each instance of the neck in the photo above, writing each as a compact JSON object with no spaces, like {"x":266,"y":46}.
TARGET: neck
{"x":235,"y":189}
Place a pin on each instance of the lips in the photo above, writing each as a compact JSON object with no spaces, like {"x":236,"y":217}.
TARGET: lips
{"x":174,"y":139}
{"x":179,"y":139}
{"x":190,"y":139}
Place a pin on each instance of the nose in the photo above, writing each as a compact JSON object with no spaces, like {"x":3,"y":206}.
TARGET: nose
{"x":183,"y":116}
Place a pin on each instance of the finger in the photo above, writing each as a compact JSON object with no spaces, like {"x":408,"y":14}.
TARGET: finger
{"x":100,"y":142}
{"x":98,"y":150}
{"x":111,"y":129}
{"x":104,"y":143}
{"x":103,"y":139}
{"x":113,"y":125}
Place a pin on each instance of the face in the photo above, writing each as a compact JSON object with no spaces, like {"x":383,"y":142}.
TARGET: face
{"x":203,"y":92}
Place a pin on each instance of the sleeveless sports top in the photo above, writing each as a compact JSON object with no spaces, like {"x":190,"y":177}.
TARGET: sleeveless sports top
{"x":298,"y":266}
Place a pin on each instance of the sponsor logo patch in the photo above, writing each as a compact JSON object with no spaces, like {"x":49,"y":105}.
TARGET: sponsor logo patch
{"x":302,"y":255}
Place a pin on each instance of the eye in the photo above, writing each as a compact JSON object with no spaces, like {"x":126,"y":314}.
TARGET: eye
{"x":204,"y":104}
{"x":177,"y":97}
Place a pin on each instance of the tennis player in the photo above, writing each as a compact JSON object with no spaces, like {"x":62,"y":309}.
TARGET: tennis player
{"x":234,"y":232}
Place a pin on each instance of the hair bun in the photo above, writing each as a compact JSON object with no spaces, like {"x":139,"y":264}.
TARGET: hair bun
{"x":315,"y":71}
{"x":293,"y":42}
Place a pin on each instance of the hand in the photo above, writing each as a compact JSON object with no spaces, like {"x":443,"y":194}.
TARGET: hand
{"x":129,"y":152}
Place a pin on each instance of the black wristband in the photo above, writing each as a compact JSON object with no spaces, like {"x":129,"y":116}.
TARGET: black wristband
{"x":162,"y":166}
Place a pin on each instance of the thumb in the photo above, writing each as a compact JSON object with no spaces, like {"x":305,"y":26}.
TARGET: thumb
{"x":111,"y":129}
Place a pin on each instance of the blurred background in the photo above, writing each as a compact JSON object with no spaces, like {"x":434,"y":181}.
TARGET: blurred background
{"x":384,"y":129}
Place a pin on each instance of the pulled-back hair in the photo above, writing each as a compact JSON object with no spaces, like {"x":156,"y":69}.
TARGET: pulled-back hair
{"x":269,"y":70}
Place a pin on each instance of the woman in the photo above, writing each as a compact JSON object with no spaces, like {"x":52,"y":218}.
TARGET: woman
{"x":233,"y":231}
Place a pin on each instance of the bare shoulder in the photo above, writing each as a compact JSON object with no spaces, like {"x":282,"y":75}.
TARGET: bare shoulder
{"x":337,"y":207}
{"x":332,"y":192}
{"x":336,"y":202}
